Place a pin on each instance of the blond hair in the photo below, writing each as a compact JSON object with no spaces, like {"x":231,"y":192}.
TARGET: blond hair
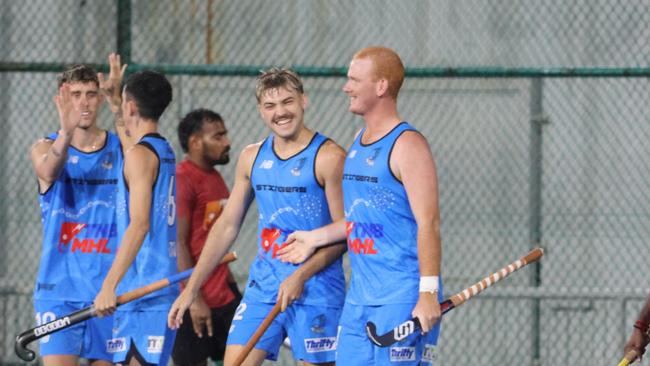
{"x":275,"y":78}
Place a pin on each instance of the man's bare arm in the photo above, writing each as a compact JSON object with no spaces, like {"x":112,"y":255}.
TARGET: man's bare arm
{"x":412,"y":163}
{"x":140,"y":171}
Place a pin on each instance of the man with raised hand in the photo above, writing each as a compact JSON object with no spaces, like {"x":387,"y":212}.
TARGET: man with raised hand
{"x":295,"y":175}
{"x":77,"y":170}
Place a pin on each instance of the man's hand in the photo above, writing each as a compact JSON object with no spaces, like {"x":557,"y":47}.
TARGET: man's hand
{"x":290,"y":290}
{"x":111,"y":87}
{"x":638,"y":342}
{"x":68,"y":115}
{"x":105,"y":302}
{"x":300,"y":245}
{"x":201,"y":316}
{"x":182,"y":303}
{"x":427,"y":310}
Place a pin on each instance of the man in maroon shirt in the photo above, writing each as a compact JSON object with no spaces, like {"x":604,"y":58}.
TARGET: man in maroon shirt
{"x":201,"y":193}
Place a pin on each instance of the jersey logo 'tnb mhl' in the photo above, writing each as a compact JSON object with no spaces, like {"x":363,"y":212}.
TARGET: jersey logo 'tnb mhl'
{"x":86,"y":238}
{"x":366,"y":233}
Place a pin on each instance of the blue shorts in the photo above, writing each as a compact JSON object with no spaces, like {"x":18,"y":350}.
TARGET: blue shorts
{"x":143,"y":335}
{"x":87,"y":339}
{"x":311,"y":330}
{"x":354,"y":347}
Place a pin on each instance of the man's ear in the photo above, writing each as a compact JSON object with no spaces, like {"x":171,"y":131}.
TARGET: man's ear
{"x":131,"y":108}
{"x":193,"y":142}
{"x":382,"y":87}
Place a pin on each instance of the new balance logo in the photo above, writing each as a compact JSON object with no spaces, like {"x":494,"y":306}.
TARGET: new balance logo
{"x":266,"y":164}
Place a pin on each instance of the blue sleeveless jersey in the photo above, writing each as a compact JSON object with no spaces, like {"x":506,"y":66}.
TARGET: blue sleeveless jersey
{"x":381,"y":228}
{"x":79,"y":230}
{"x":289,"y":198}
{"x":156,"y":259}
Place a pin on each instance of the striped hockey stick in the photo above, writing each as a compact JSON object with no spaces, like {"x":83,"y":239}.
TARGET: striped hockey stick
{"x":413,"y":325}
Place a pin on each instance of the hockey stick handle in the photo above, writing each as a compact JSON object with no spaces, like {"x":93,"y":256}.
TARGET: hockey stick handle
{"x":28,"y":336}
{"x":412,"y":325}
{"x":155,"y":286}
{"x":630,"y":356}
{"x":258,"y":334}
{"x":490,"y":280}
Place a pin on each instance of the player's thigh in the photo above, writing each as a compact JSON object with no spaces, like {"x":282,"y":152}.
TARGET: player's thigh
{"x":60,"y":360}
{"x":248,"y":318}
{"x":98,"y":332}
{"x":255,"y":356}
{"x":101,"y":363}
{"x":312,"y":331}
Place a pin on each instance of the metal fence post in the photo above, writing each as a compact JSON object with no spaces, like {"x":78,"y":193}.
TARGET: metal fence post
{"x":124,"y":24}
{"x":537,"y":120}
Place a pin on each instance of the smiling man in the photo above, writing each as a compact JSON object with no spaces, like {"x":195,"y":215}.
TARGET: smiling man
{"x":295,"y":175}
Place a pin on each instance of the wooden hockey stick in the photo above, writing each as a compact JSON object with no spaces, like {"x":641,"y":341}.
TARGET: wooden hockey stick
{"x":28,"y":336}
{"x":413,"y":325}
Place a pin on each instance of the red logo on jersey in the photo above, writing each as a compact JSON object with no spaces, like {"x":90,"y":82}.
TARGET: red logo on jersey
{"x":356,"y":246}
{"x":69,"y":230}
{"x":269,"y":237}
{"x":365,"y":241}
{"x":96,"y":237}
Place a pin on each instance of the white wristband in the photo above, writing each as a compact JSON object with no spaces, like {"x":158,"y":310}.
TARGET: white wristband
{"x":429,"y":284}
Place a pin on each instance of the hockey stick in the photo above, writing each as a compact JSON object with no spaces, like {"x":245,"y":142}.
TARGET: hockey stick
{"x":629,"y":357}
{"x":28,"y":336}
{"x":411,"y":326}
{"x":258,"y":334}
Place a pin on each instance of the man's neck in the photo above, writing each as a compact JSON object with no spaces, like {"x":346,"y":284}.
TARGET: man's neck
{"x":143,"y":127}
{"x":287,"y":147}
{"x":199,"y":162}
{"x":88,"y":139}
{"x":380,"y":121}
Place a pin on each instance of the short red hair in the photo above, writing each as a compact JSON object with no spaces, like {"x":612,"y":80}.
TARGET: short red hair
{"x":388,"y":65}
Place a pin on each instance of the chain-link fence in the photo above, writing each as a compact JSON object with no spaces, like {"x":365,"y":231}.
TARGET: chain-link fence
{"x":529,"y":158}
